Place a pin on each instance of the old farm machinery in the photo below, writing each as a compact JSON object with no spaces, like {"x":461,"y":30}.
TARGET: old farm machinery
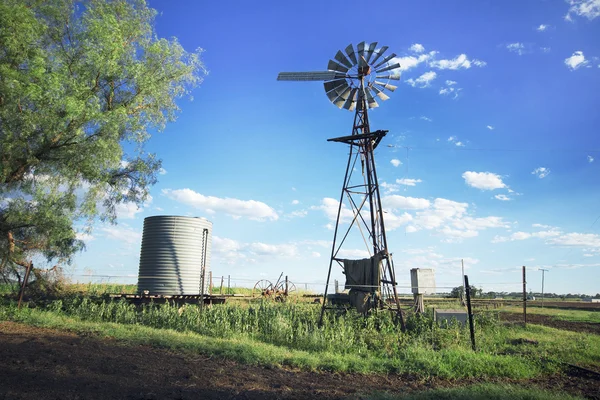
{"x":278,"y":291}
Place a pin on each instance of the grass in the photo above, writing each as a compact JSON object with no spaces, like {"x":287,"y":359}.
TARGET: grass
{"x":452,"y":363}
{"x":560,"y":314}
{"x":287,"y":334}
{"x":480,"y":392}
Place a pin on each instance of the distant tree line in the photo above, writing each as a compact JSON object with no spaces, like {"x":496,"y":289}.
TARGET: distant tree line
{"x":458,"y":291}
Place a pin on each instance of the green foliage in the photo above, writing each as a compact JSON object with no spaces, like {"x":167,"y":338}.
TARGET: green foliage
{"x":80,"y":81}
{"x":458,"y":292}
{"x":288,"y":334}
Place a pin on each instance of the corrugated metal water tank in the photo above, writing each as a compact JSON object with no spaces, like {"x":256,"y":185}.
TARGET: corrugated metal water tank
{"x":173,"y":252}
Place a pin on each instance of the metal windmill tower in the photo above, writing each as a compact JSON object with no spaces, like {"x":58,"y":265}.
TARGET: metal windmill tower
{"x":353,"y":81}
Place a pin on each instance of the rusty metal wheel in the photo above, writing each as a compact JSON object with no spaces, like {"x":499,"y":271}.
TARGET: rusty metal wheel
{"x":262,"y":288}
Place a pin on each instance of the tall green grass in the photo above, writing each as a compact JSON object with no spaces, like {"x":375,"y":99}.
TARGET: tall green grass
{"x":288,"y":334}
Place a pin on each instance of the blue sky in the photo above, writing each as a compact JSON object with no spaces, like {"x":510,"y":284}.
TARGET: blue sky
{"x":492,"y":155}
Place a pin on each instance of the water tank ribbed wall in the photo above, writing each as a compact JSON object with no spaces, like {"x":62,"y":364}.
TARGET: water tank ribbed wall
{"x":173,"y":252}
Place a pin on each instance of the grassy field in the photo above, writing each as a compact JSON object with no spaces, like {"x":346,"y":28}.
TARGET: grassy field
{"x":287,"y":334}
{"x":561,"y":314}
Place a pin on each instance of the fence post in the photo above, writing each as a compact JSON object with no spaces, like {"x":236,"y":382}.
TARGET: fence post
{"x":221,"y":288}
{"x":286,"y":285}
{"x":27,"y":271}
{"x":228,"y":284}
{"x":210,"y":283}
{"x":469,"y":310}
{"x":524,"y":298}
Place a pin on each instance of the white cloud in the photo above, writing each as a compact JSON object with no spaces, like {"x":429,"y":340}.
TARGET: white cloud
{"x":451,"y":83}
{"x":542,"y":27}
{"x":458,"y":62}
{"x":518,"y":48}
{"x":443,"y":211}
{"x":122,"y":233}
{"x":417,"y":48}
{"x":276,"y":250}
{"x":252,"y":209}
{"x":315,"y":254}
{"x":479,"y":63}
{"x":541,"y":172}
{"x":85,"y":237}
{"x":408,"y":182}
{"x":590,"y":159}
{"x":393,"y":221}
{"x":395,"y":162}
{"x":545,"y":49}
{"x":553,"y":232}
{"x":294,"y":202}
{"x":576,"y":60}
{"x":225,"y":245}
{"x":127,"y":210}
{"x":404,"y":203}
{"x":483,"y":180}
{"x":577,"y":240}
{"x":389,"y":187}
{"x":162,"y":171}
{"x":502,"y":197}
{"x":491,"y":128}
{"x":353,"y":254}
{"x":425,"y":118}
{"x":422,"y":81}
{"x":583,"y":8}
{"x":297,"y":214}
{"x":409,"y":62}
{"x":330,"y":207}
{"x":450,"y":90}
{"x":454,"y":139}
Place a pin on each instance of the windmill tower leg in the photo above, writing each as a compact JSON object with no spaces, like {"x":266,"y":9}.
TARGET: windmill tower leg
{"x":362,"y":145}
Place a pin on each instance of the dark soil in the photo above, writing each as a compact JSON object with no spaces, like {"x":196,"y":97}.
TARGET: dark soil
{"x":38,"y":363}
{"x":550,"y":321}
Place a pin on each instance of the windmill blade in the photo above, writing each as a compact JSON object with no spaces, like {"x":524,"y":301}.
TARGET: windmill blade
{"x":352,"y":106}
{"x":370,"y":99}
{"x":351,"y":54}
{"x":310,"y":76}
{"x":329,"y":86}
{"x":333,"y":66}
{"x":389,"y":68}
{"x":341,"y":58}
{"x":386,"y":59}
{"x":380,"y":94}
{"x":378,"y":53}
{"x":370,"y":51}
{"x":362,"y":62}
{"x":361,"y":49}
{"x":395,"y":77}
{"x":342,"y":96}
{"x":387,"y":86}
{"x":350,"y":100}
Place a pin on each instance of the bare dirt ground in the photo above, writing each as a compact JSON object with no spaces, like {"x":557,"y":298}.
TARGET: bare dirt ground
{"x":550,"y":321}
{"x":38,"y":363}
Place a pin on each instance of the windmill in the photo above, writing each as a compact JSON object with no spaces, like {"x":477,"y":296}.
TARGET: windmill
{"x":353,"y":81}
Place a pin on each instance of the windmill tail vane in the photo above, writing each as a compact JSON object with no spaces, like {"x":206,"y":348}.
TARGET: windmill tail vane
{"x":354,"y":80}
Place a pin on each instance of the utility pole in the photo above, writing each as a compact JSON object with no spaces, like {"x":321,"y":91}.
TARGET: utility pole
{"x":543,"y":270}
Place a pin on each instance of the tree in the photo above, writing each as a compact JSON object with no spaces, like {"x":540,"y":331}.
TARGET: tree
{"x":458,"y":291}
{"x":80,"y":82}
